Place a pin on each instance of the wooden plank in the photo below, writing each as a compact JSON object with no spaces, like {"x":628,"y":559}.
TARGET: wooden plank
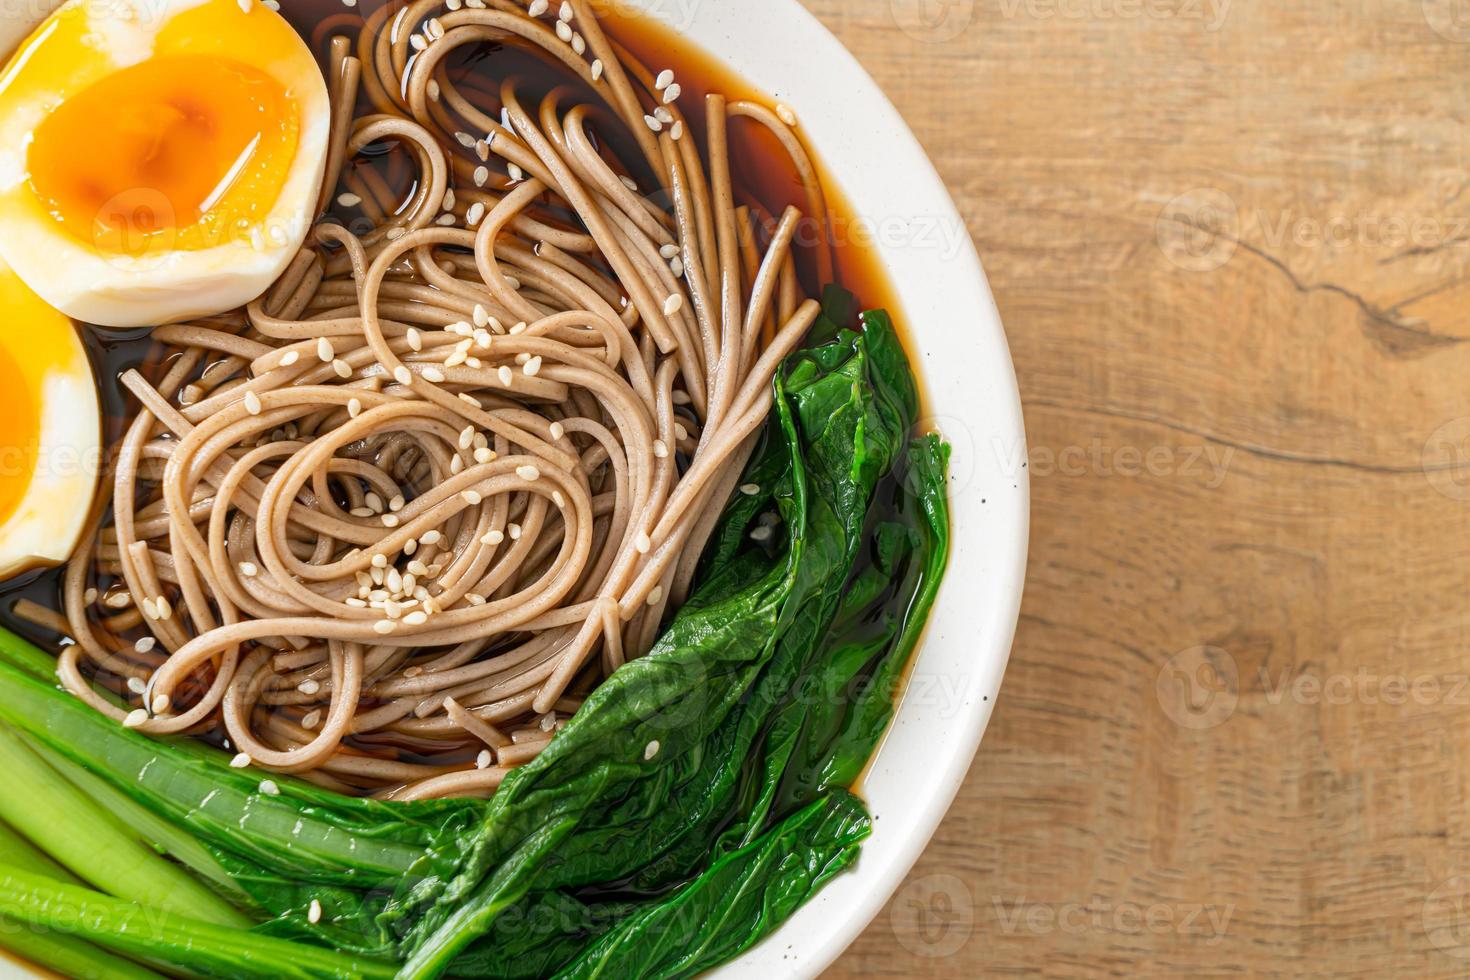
{"x":1230,"y":249}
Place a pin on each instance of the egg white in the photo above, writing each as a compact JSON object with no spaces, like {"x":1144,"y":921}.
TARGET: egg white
{"x":119,"y":290}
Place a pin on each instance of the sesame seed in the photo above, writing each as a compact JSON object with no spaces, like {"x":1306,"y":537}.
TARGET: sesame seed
{"x":528,"y":473}
{"x":343,"y":371}
{"x":475,"y":600}
{"x":676,"y":133}
{"x":269,"y":787}
{"x":565,"y":13}
{"x":482,"y":149}
{"x":558,"y":499}
{"x":240,"y":761}
{"x":355,"y":602}
{"x":672,"y":93}
{"x":435,"y":28}
{"x":514,"y":531}
{"x":431,"y":537}
{"x":676,"y":266}
{"x":664,"y":80}
{"x":402,"y":375}
{"x":248,"y":569}
{"x":415,"y":339}
{"x":445,"y":220}
{"x":784,"y":113}
{"x":165,"y":610}
{"x":654,"y":124}
{"x":533,"y":366}
{"x":663,"y":115}
{"x":579,"y":43}
{"x":475,"y":213}
{"x":314,"y":913}
{"x":492,"y":537}
{"x":506,"y":376}
{"x":90,"y":596}
{"x":418,"y":42}
{"x":482,"y":174}
{"x":312,"y":719}
{"x":160,"y":704}
{"x":521,"y":327}
{"x":650,"y":750}
{"x":642,"y":543}
{"x":558,"y":430}
{"x":656,"y":595}
{"x":538,"y":7}
{"x":308,"y":687}
{"x":349,"y":200}
{"x":456,"y":465}
{"x":390,"y":520}
{"x":290,"y":358}
{"x":252,"y":403}
{"x":673,"y":304}
{"x":750,"y":489}
{"x":380,"y":561}
{"x":660,"y":449}
{"x":324,"y":350}
{"x":136,"y":719}
{"x":564,"y":31}
{"x":354,"y":407}
{"x":433,"y":90}
{"x":416,"y":618}
{"x":384,"y":626}
{"x":146,"y":644}
{"x":597,"y":68}
{"x":482,"y":318}
{"x":464,"y":139}
{"x":433,"y":374}
{"x":669,"y":251}
{"x":484,"y":455}
{"x":397,"y":503}
{"x":482,"y":761}
{"x":472,"y":497}
{"x":118,"y":600}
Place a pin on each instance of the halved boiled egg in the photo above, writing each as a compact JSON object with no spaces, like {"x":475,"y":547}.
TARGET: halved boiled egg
{"x":159,"y":159}
{"x":50,"y":431}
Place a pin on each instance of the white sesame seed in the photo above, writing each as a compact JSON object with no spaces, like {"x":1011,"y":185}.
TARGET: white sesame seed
{"x":433,"y":88}
{"x":165,"y":609}
{"x":384,"y":626}
{"x":269,"y":787}
{"x":672,"y":93}
{"x":482,"y":761}
{"x":558,"y":430}
{"x":341,"y":367}
{"x":663,"y":115}
{"x":118,"y":600}
{"x":314,"y":913}
{"x":676,"y":266}
{"x":397,"y":503}
{"x":475,"y":213}
{"x":433,"y":374}
{"x":90,"y":596}
{"x":354,"y":407}
{"x":380,"y":561}
{"x":431,"y":537}
{"x":308,"y":687}
{"x":533,"y":366}
{"x":160,"y":704}
{"x":248,"y":569}
{"x":445,"y":220}
{"x":668,"y":251}
{"x":483,"y":455}
{"x":784,"y":113}
{"x":456,"y":465}
{"x":402,"y":375}
{"x":664,"y":80}
{"x":506,"y":375}
{"x":418,"y":42}
{"x":146,"y":644}
{"x":656,"y":595}
{"x":673,"y":304}
{"x":564,"y":31}
{"x":136,"y":685}
{"x":136,"y":719}
{"x":355,"y":602}
{"x":654,"y":124}
{"x":565,"y":13}
{"x":492,"y":537}
{"x":632,"y":185}
{"x":241,"y":761}
{"x":349,"y":200}
{"x":482,"y":174}
{"x":475,"y":600}
{"x":390,"y":520}
{"x":514,"y":530}
{"x":324,"y":350}
{"x":252,"y":403}
{"x":597,"y":69}
{"x":472,"y":497}
{"x":750,"y":489}
{"x":650,"y":750}
{"x":642,"y":543}
{"x":312,"y":718}
{"x":521,"y":327}
{"x":660,"y":449}
{"x":482,"y":149}
{"x":464,"y":139}
{"x":435,"y":28}
{"x":676,"y":131}
{"x":416,"y":618}
{"x":290,"y":358}
{"x":528,"y":473}
{"x":538,"y":7}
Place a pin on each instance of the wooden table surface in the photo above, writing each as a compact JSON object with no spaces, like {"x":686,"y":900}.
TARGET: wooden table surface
{"x":1229,"y":242}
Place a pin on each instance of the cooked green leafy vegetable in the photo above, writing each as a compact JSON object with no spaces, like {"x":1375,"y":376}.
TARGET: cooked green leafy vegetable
{"x":694,"y":802}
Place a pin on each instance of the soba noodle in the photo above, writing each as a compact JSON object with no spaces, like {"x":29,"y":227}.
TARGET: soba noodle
{"x":388,"y":524}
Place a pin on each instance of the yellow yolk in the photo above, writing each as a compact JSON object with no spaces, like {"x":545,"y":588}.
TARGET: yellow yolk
{"x":190,"y":151}
{"x":50,"y":431}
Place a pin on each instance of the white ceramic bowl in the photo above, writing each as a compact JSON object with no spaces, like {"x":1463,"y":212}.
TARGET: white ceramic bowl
{"x":965,"y":367}
{"x":966,"y":371}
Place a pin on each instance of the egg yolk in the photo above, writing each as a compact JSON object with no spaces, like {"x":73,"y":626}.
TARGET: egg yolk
{"x":179,"y":152}
{"x":34,"y":340}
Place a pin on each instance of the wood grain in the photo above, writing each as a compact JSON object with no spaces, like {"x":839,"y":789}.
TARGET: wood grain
{"x":1230,"y":250}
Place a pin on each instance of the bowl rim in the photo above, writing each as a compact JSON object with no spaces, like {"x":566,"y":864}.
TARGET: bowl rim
{"x":780,"y":48}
